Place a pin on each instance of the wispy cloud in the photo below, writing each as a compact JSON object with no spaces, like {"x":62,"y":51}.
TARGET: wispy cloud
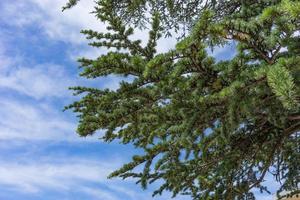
{"x":26,"y":111}
{"x":62,"y":175}
{"x":66,"y":26}
{"x":39,"y":81}
{"x":23,"y":120}
{"x":47,"y":14}
{"x":16,"y":14}
{"x":30,"y":97}
{"x":70,"y":175}
{"x":97,"y":193}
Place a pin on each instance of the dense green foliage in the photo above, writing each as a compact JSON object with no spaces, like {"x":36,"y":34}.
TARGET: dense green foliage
{"x":209,"y":129}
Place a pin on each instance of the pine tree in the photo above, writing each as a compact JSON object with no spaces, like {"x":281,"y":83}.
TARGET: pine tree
{"x":209,"y":129}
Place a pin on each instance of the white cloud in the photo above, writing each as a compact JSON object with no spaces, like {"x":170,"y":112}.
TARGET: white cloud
{"x":71,"y":175}
{"x":35,"y":118}
{"x":47,"y":14}
{"x":163,"y":44}
{"x":66,"y":26}
{"x":97,"y":193}
{"x":33,"y":121}
{"x":4,"y":60}
{"x":61,"y":175}
{"x":296,"y":34}
{"x":67,"y":174}
{"x":31,"y":114}
{"x":13,"y":13}
{"x":39,"y":81}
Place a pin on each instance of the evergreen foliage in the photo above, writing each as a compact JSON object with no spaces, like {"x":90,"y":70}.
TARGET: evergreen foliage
{"x":209,"y":129}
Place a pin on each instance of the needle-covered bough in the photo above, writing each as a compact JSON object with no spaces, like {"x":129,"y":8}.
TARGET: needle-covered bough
{"x":209,"y":128}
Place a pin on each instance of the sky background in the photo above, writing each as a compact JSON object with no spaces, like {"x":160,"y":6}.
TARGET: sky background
{"x":41,"y":156}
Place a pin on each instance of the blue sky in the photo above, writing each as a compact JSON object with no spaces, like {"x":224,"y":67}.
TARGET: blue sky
{"x":41,"y":157}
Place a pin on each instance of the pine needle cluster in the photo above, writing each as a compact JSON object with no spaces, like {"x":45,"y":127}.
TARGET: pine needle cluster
{"x":209,"y":129}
